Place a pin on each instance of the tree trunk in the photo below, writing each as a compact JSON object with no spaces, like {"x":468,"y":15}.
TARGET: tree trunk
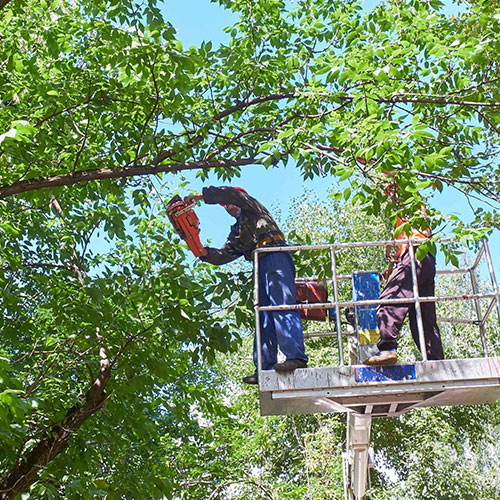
{"x":25,"y":471}
{"x":3,"y":3}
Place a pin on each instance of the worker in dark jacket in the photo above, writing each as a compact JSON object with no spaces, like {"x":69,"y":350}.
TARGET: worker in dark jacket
{"x":255,"y":228}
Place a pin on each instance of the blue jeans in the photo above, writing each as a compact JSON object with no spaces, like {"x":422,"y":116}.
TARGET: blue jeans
{"x":278,"y":328}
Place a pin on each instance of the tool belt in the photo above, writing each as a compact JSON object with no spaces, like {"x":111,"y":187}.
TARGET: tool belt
{"x":271,"y":241}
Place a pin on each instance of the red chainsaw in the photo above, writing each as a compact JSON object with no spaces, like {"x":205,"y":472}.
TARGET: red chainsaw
{"x":186,"y":223}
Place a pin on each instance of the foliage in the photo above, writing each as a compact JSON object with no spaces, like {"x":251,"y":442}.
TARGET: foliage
{"x":146,"y":313}
{"x":104,"y":90}
{"x":313,"y":222}
{"x":245,"y":456}
{"x":102,"y":315}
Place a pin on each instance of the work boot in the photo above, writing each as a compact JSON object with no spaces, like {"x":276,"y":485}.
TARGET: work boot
{"x":383,"y":358}
{"x":290,"y":365}
{"x":251,"y":379}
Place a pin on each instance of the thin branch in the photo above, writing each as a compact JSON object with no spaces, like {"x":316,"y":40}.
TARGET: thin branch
{"x":437,"y":100}
{"x":151,"y":66}
{"x":477,"y":186}
{"x":487,"y":120}
{"x":82,"y":146}
{"x":474,"y":87}
{"x":75,"y":264}
{"x":83,"y":103}
{"x":321,"y":150}
{"x":232,"y":140}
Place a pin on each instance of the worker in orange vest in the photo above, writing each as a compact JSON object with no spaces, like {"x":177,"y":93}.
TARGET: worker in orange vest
{"x":400,"y":285}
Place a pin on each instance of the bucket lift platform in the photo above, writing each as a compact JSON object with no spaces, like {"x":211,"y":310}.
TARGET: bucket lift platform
{"x":381,"y":391}
{"x":390,"y":390}
{"x":364,"y":392}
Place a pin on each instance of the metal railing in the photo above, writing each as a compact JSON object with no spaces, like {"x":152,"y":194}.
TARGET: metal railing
{"x":417,"y":300}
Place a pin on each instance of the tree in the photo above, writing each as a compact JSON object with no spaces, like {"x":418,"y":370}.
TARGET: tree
{"x":97,"y":96}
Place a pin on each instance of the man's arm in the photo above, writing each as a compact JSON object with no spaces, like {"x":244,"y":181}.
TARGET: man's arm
{"x":216,"y":256}
{"x":190,"y":200}
{"x":220,"y":256}
{"x":227,"y":195}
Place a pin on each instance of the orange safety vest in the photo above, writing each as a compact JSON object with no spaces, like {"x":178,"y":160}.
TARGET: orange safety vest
{"x":415,"y":234}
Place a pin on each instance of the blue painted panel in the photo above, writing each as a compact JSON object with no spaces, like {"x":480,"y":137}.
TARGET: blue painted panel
{"x":385,"y":373}
{"x":366,"y":286}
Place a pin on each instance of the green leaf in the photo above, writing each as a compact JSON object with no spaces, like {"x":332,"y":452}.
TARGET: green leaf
{"x":344,"y":174}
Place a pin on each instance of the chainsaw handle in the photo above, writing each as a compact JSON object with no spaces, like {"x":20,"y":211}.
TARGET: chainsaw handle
{"x":192,"y":199}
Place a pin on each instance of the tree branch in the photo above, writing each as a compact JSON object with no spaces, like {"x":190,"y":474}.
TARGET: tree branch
{"x":114,"y":173}
{"x":436,"y":100}
{"x":75,"y":264}
{"x":155,"y":167}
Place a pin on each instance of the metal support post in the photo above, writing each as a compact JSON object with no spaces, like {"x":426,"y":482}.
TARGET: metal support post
{"x":337,"y":307}
{"x":356,"y":457}
{"x":477,"y":304}
{"x":492,"y":276}
{"x":416,"y":296}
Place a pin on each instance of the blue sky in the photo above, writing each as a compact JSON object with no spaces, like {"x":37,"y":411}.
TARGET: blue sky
{"x":201,"y":20}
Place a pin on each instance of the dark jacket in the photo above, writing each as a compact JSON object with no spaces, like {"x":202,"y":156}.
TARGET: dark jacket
{"x":253,"y":225}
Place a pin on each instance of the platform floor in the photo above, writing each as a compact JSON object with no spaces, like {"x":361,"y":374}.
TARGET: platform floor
{"x":381,"y":391}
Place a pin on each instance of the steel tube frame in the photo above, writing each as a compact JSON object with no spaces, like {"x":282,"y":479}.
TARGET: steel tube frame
{"x":442,"y":319}
{"x":337,"y":307}
{"x":488,"y":311}
{"x":258,"y":340}
{"x":492,"y":276}
{"x":477,"y":305}
{"x":478,"y":257}
{"x":330,"y":305}
{"x":416,"y":300}
{"x":339,"y":246}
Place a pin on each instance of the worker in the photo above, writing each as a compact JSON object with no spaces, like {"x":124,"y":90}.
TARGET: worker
{"x":255,"y":228}
{"x":399,"y":285}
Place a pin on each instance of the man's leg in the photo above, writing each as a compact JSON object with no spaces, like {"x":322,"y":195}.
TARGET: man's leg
{"x":281,"y":291}
{"x":391,"y":316}
{"x":269,"y":344}
{"x":426,"y":273}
